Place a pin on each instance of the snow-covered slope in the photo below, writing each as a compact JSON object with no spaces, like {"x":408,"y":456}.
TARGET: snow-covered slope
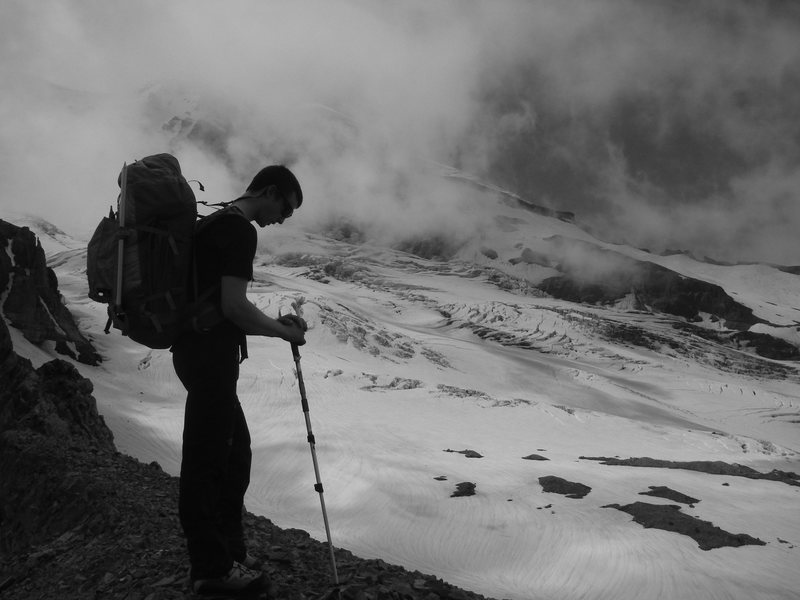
{"x":408,"y":358}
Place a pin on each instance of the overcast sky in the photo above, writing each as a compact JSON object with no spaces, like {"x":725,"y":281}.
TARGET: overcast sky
{"x":359,"y":97}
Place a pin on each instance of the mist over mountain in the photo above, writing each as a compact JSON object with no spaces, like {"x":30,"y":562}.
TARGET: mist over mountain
{"x":670,"y":125}
{"x":548,"y":253}
{"x":667,"y":124}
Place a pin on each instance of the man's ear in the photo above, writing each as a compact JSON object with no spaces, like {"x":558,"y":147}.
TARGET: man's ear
{"x":261,"y":192}
{"x":252,"y":194}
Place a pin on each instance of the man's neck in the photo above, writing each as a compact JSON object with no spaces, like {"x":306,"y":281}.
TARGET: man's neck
{"x":246,"y":206}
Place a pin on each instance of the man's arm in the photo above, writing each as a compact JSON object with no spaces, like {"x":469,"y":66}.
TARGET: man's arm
{"x":245,"y":315}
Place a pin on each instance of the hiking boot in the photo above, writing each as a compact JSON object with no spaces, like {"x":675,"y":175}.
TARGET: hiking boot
{"x":239,"y":580}
{"x":251,"y":562}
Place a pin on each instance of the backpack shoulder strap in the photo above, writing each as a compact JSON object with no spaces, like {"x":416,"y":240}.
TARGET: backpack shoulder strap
{"x":205,"y":221}
{"x":200,"y":225}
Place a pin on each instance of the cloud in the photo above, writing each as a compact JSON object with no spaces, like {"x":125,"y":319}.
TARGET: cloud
{"x":658,"y":123}
{"x":667,"y":123}
{"x":358,"y":99}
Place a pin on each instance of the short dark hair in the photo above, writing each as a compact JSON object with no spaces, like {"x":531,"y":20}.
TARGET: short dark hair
{"x":280,"y":176}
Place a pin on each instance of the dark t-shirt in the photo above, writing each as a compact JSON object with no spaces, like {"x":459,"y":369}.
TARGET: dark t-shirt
{"x":225,"y":247}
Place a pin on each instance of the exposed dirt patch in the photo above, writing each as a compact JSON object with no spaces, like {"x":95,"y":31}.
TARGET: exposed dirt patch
{"x":670,"y":518}
{"x":704,"y":466}
{"x":669,"y":494}
{"x":465,"y":488}
{"x":535,"y":457}
{"x":570,"y":489}
{"x":467,"y":453}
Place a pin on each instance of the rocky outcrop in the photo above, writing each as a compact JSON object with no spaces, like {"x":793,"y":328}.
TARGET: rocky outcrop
{"x":590,"y":274}
{"x":670,"y":518}
{"x":662,"y":491}
{"x":465,"y":488}
{"x":766,"y":345}
{"x":559,"y":485}
{"x":30,"y":299}
{"x":597,"y":276}
{"x":50,"y":407}
{"x":701,"y":466}
{"x":80,"y":520}
{"x":53,"y":401}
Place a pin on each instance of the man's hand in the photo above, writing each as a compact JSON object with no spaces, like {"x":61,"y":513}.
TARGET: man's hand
{"x":296,"y":327}
{"x":244,"y":314}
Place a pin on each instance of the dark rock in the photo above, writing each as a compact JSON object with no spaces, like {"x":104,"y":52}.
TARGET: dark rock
{"x":570,"y":489}
{"x":33,"y":303}
{"x":794,"y":270}
{"x":762,"y":344}
{"x":767,"y":346}
{"x":670,"y":518}
{"x":613,"y":276}
{"x":716,"y":467}
{"x":54,"y":400}
{"x":467,"y":453}
{"x":669,"y":494}
{"x":489,"y":253}
{"x":437,"y":247}
{"x":535,"y":457}
{"x":47,"y":414}
{"x":530,"y":257}
{"x":465,"y":488}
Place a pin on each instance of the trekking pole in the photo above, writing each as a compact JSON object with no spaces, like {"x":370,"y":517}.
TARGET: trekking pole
{"x":312,"y":442}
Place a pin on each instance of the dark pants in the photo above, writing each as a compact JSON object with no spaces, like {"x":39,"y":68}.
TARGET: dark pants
{"x":215,"y":469}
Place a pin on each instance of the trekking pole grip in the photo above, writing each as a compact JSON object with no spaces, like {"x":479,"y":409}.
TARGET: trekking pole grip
{"x":301,"y":384}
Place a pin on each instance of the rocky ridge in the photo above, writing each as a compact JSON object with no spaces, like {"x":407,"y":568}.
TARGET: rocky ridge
{"x":30,"y":300}
{"x":80,"y":520}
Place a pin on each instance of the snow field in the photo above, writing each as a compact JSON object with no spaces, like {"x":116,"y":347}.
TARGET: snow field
{"x":392,"y":385}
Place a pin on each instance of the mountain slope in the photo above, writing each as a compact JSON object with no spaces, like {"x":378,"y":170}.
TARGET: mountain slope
{"x":414,"y":366}
{"x":58,"y":459}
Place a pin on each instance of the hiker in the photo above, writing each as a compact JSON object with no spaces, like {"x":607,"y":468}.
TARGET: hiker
{"x":215,"y":467}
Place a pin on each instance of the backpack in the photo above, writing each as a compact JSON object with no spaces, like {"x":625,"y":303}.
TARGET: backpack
{"x":140,"y":261}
